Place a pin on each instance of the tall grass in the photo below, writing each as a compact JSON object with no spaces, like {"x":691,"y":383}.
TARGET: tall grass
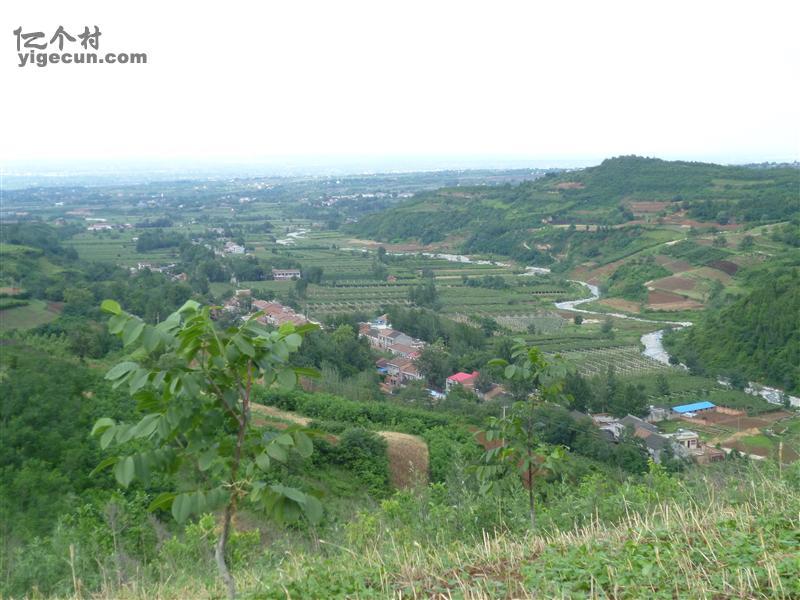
{"x":715,"y":534}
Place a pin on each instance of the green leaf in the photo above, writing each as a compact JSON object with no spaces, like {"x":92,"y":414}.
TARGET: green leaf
{"x":124,"y":471}
{"x":110,"y":306}
{"x":189,"y":306}
{"x":147,"y":425}
{"x":101,"y":425}
{"x":138,"y":380}
{"x":125,"y":433}
{"x":313,"y":509}
{"x":107,"y":437}
{"x":286,"y":378}
{"x":133,"y":329}
{"x":294,"y":340}
{"x":104,"y":464}
{"x":307,"y":328}
{"x":284,"y":439}
{"x":117,"y":323}
{"x":206,"y":458}
{"x":182,"y":507}
{"x":277,"y":452}
{"x":307,"y":372}
{"x":263,"y":462}
{"x":150,"y":338}
{"x":243,"y":345}
{"x":289,"y":492}
{"x":303,"y":444}
{"x":163,"y":500}
{"x":120,"y":370}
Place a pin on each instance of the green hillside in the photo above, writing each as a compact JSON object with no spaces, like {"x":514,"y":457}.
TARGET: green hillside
{"x":620,"y":191}
{"x":755,"y":337}
{"x":403,"y":492}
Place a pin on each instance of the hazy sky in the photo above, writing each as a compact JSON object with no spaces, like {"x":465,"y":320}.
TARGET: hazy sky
{"x":561,"y":80}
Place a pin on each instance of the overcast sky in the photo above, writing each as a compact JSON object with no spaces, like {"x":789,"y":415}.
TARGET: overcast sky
{"x":546,"y":81}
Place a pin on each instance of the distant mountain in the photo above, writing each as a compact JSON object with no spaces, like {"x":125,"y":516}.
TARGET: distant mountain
{"x":619,"y":191}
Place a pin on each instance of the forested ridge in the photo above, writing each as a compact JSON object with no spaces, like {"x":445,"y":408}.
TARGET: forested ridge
{"x":756,"y":336}
{"x":498,"y":219}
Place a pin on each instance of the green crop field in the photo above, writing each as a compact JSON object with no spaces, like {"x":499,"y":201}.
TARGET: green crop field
{"x":625,"y":360}
{"x":35,"y":313}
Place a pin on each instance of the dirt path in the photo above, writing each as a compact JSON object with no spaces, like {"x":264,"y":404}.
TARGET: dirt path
{"x":277,"y":413}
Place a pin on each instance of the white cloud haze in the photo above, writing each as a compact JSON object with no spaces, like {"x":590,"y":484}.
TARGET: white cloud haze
{"x":555,"y":80}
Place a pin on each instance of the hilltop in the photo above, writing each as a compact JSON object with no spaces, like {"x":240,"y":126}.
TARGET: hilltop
{"x":625,"y":191}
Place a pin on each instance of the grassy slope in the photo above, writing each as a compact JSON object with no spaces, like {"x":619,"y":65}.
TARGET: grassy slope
{"x":589,"y":196}
{"x":694,"y":544}
{"x":36,"y":313}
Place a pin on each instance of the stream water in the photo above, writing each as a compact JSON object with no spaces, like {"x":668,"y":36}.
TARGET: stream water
{"x":654,"y":346}
{"x":652,"y":341}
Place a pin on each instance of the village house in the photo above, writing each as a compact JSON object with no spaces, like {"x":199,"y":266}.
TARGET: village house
{"x":683,"y":443}
{"x":690,"y":410}
{"x":100,"y":227}
{"x":465,"y":380}
{"x":277,"y":314}
{"x":285,"y":274}
{"x":404,"y":350}
{"x":384,"y":338}
{"x":233,"y":248}
{"x":402,"y":370}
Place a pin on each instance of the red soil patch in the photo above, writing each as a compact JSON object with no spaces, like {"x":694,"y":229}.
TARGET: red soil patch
{"x":647,"y":207}
{"x":674,"y":283}
{"x":620,"y":304}
{"x":55,"y":307}
{"x":592,"y":274}
{"x":746,"y":449}
{"x":570,"y":185}
{"x":740,"y":423}
{"x":725,"y":266}
{"x":715,"y":274}
{"x":661,"y":300}
{"x":11,"y":291}
{"x":673,"y":264}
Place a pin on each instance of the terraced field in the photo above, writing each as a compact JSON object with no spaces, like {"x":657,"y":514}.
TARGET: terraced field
{"x":626,"y":360}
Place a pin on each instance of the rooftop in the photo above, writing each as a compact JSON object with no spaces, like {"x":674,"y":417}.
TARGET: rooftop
{"x":687,"y":408}
{"x":461,"y":377}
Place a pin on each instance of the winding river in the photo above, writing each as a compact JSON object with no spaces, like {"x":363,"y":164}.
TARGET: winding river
{"x":652,"y":341}
{"x":654,"y":346}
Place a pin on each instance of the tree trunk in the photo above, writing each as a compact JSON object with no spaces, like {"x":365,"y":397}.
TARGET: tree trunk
{"x":230,"y":509}
{"x":219,"y":551}
{"x":530,"y":494}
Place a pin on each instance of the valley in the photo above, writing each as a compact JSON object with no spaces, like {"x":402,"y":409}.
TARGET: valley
{"x":649,"y":287}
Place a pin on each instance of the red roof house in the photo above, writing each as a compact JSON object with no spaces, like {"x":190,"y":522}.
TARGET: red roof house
{"x":466,"y":380}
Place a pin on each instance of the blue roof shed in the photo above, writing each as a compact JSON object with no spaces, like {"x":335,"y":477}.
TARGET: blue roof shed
{"x":687,"y":408}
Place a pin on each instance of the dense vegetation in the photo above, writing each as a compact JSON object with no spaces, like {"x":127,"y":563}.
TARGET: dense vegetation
{"x":756,"y":336}
{"x":609,"y":522}
{"x":629,"y":279}
{"x":501,"y":220}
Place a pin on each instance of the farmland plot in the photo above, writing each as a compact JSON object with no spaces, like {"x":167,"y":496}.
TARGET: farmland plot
{"x":626,"y":360}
